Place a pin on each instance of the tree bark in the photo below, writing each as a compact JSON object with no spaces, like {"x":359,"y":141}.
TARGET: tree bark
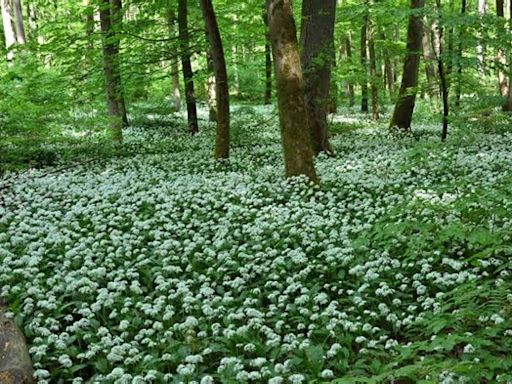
{"x":402,"y":115}
{"x":188,"y":75}
{"x":117,"y":20}
{"x":388,"y":67}
{"x":293,"y":116}
{"x":109,"y":70}
{"x":317,"y":43}
{"x":9,"y":34}
{"x":20,"y":27}
{"x":221,"y":80}
{"x":268,"y":63}
{"x":364,"y":64}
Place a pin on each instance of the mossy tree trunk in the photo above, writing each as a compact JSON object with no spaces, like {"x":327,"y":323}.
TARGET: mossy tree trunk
{"x":404,"y":108}
{"x":317,"y":43}
{"x":293,"y":116}
{"x":221,"y":80}
{"x":364,"y":63}
{"x":117,"y":21}
{"x":268,"y":63}
{"x":188,"y":75}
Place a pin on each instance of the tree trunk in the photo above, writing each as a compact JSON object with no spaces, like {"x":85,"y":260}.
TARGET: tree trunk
{"x":480,"y":48}
{"x":507,"y":107}
{"x":317,"y":42}
{"x":109,"y":69}
{"x":7,"y":21}
{"x":429,"y":58}
{"x":211,"y":89}
{"x":348,"y":50}
{"x":364,"y":64}
{"x":388,"y":67}
{"x":188,"y":75}
{"x":460,"y":52}
{"x":374,"y":77}
{"x":293,"y":116}
{"x":15,"y":363}
{"x":117,"y":20}
{"x":502,"y":62}
{"x":268,"y":64}
{"x":175,"y":71}
{"x":441,"y":68}
{"x":89,"y":27}
{"x":221,"y":81}
{"x":402,"y":116}
{"x":20,"y":27}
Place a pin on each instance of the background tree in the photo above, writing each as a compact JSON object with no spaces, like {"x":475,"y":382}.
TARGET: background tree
{"x":404,"y":108}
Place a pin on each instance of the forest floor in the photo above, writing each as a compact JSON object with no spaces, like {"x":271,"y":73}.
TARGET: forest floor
{"x":156,"y":264}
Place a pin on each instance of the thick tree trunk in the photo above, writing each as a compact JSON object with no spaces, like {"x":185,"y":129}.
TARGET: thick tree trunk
{"x":175,"y":71}
{"x":117,"y":20}
{"x":293,"y":116}
{"x":429,"y":58}
{"x":317,"y":42}
{"x":364,"y":64}
{"x":402,"y":116}
{"x":15,"y":363}
{"x":7,"y":21}
{"x":374,"y":76}
{"x":109,"y":69}
{"x":221,"y":81}
{"x":20,"y":27}
{"x":268,"y":63}
{"x":188,"y":75}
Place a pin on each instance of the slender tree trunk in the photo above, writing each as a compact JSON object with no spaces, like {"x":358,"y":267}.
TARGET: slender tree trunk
{"x":480,"y":48}
{"x":502,"y":61}
{"x":333,"y":90}
{"x":236,"y":72}
{"x":317,"y":42}
{"x":89,"y":27}
{"x":175,"y":71}
{"x":441,"y":68}
{"x":268,"y":63}
{"x":402,"y":116}
{"x":293,"y":115}
{"x":388,"y":67}
{"x":211,"y":89}
{"x":460,"y":52}
{"x":348,"y":50}
{"x":117,"y":20}
{"x":364,"y":64}
{"x":429,"y":58}
{"x":20,"y":27}
{"x":507,"y":106}
{"x":221,"y":81}
{"x":188,"y":75}
{"x":9,"y":34}
{"x":374,"y":76}
{"x":109,"y":68}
